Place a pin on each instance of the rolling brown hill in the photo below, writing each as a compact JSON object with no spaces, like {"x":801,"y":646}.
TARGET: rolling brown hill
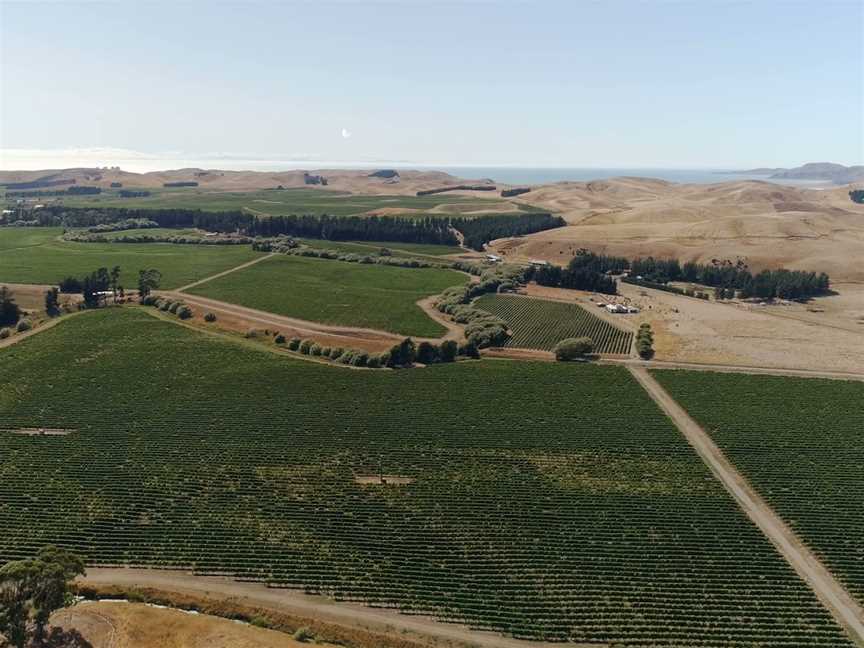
{"x":769,"y":225}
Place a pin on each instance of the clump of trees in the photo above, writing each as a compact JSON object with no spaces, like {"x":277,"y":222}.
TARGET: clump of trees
{"x":96,"y":286}
{"x":586,"y":271}
{"x":32,"y":589}
{"x":573,"y":349}
{"x":10,"y":312}
{"x":734,"y":278}
{"x":645,"y":341}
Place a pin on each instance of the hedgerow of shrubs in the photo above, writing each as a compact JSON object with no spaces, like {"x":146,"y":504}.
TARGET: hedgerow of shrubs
{"x":177,"y":308}
{"x":483,"y":329}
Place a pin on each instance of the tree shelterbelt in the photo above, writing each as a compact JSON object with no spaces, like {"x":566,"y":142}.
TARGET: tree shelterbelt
{"x":430,"y":229}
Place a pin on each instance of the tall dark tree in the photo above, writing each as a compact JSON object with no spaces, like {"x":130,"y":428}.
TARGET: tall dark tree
{"x":10,"y":312}
{"x":148,"y":280}
{"x":52,"y":302}
{"x":115,"y":278}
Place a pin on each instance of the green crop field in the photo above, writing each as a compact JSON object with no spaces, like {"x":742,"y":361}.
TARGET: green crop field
{"x":800,"y":441}
{"x":336,"y":292}
{"x":36,"y":255}
{"x":285,"y":202}
{"x":540,"y":324}
{"x":541,"y":500}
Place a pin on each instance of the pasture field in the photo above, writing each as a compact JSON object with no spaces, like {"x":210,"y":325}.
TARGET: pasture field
{"x":800,"y":442}
{"x":17,"y":238}
{"x":284,"y":202}
{"x":36,"y":255}
{"x":546,"y":501}
{"x":336,"y":292}
{"x":398,"y":249}
{"x":540,"y":324}
{"x":155,"y":231}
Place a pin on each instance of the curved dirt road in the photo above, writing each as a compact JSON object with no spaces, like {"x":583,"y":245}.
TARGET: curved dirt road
{"x":830,"y":591}
{"x":300,"y":604}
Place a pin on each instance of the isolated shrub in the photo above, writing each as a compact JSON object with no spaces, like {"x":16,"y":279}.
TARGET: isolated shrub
{"x":24,"y":325}
{"x":303,"y":635}
{"x":448,"y":351}
{"x":210,"y":317}
{"x":184,"y":312}
{"x":279,"y":339}
{"x":336,"y":352}
{"x":294,"y":343}
{"x":251,"y":333}
{"x":260,"y":622}
{"x":385,"y":252}
{"x":5,"y":333}
{"x":315,"y":350}
{"x":573,"y":348}
{"x":427,"y":353}
{"x":305,"y":347}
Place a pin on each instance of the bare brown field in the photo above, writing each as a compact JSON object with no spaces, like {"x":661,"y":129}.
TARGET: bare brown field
{"x":31,"y":297}
{"x":108,"y":624}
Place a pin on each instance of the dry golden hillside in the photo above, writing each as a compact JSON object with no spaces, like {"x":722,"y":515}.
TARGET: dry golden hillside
{"x":768,"y":225}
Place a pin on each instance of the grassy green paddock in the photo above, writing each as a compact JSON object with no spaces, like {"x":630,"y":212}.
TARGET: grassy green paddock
{"x":35,"y":255}
{"x":336,"y":292}
{"x":398,"y":249}
{"x":285,"y":202}
{"x":155,"y":231}
{"x":542,"y":500}
{"x":541,"y":324}
{"x":19,"y":238}
{"x":800,"y":441}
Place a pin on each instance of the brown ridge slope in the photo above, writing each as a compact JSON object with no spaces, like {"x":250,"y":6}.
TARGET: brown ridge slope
{"x":356,"y":181}
{"x":769,"y":225}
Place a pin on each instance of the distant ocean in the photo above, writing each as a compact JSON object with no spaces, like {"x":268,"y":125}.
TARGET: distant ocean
{"x":537,"y":175}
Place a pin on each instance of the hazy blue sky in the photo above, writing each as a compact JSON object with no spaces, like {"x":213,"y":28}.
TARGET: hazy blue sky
{"x":650,"y":84}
